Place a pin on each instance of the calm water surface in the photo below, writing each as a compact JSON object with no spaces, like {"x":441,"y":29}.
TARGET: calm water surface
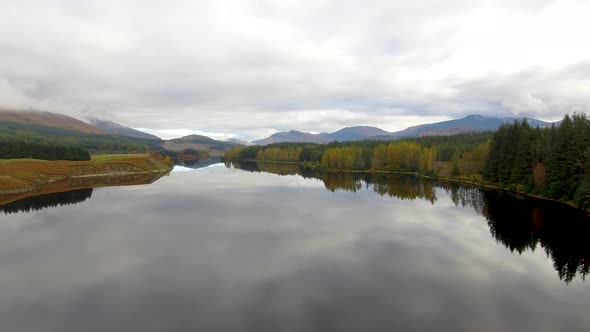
{"x":228,"y":249}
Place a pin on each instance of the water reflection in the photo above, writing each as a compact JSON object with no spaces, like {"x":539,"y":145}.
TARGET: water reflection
{"x":220,"y":249}
{"x":196,"y":164}
{"x":518,"y":223}
{"x":36,"y":203}
{"x":523,"y":224}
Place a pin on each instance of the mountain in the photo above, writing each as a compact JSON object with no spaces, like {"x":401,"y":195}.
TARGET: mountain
{"x":103,"y":143}
{"x":471,"y":123}
{"x":104,"y":136}
{"x":49,"y":119}
{"x":354,"y":133}
{"x":291,"y":136}
{"x":117,"y":129}
{"x":60,"y":129}
{"x":215,"y":148}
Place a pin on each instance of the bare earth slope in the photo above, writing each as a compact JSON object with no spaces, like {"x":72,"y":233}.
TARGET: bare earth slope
{"x":50,"y":120}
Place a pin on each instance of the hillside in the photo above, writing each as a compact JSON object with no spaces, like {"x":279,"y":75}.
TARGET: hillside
{"x":354,"y":133}
{"x":117,"y":129}
{"x":89,"y":141}
{"x":468,"y":124}
{"x":290,"y":136}
{"x":215,"y":148}
{"x":49,"y":119}
{"x":105,"y":137}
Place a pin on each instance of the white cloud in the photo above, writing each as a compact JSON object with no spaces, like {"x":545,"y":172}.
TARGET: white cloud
{"x":252,"y":68}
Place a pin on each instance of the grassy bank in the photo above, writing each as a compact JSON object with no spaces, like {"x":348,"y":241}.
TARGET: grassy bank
{"x":18,"y":176}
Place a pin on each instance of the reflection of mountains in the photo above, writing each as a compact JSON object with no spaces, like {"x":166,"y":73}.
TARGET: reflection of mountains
{"x":518,"y":223}
{"x":70,"y":191}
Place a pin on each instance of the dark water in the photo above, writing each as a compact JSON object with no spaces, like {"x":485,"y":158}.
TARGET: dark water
{"x":224,"y":249}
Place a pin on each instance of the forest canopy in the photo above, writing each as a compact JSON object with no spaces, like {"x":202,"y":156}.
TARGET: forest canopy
{"x":11,"y":148}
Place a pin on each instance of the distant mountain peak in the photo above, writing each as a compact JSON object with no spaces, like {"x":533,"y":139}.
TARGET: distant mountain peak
{"x":194,"y":137}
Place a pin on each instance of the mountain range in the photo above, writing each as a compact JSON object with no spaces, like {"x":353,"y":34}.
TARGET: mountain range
{"x":59,"y":128}
{"x":53,"y":126}
{"x":470,"y":123}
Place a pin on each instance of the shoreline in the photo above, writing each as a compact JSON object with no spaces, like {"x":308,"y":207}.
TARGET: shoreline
{"x":41,"y":184}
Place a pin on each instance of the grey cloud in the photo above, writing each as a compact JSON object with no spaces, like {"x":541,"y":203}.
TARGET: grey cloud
{"x":247,"y":67}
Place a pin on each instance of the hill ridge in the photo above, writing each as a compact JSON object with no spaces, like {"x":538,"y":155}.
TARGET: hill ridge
{"x":469,"y":123}
{"x":49,"y":119}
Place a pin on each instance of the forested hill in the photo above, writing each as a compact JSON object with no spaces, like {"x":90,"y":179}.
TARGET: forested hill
{"x":89,"y":141}
{"x":553,"y":161}
{"x":59,"y":129}
{"x":214,"y":148}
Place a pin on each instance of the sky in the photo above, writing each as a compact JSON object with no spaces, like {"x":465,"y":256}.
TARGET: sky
{"x":247,"y":69}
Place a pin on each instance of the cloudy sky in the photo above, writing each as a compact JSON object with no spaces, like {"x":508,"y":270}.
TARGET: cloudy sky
{"x":248,"y":68}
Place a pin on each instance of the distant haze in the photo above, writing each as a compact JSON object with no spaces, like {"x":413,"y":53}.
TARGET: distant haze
{"x":248,"y":69}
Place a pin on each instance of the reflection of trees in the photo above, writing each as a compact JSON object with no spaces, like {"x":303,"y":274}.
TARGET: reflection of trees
{"x":261,"y":166}
{"x":36,"y":203}
{"x":520,"y":224}
{"x":346,"y":181}
{"x":404,"y":187}
{"x":466,"y":196}
{"x":277,"y":168}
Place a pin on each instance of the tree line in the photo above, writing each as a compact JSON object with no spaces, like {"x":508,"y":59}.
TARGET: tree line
{"x":420,"y":154}
{"x":10,"y":149}
{"x":553,"y":162}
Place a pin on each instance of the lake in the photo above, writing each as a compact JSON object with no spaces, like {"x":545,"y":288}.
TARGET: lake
{"x":271,"y":247}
